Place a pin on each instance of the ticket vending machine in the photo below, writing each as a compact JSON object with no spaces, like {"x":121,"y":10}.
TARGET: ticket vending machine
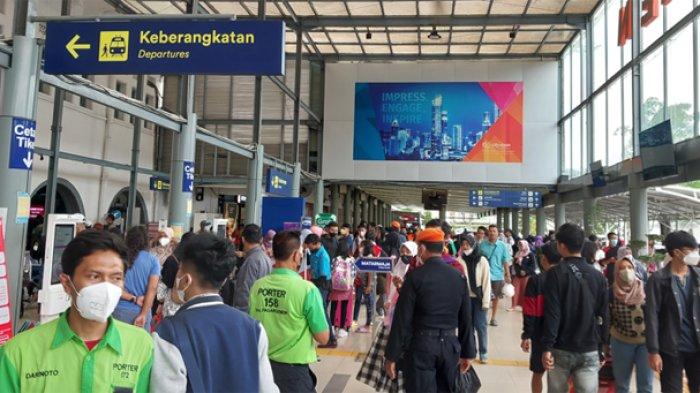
{"x":61,"y":229}
{"x":219,"y":227}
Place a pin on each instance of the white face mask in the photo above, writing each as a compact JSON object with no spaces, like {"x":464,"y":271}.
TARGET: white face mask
{"x":627,"y":275}
{"x":468,"y":252}
{"x":692,"y":258}
{"x":180,"y":292}
{"x":613,"y":242}
{"x":164,"y":241}
{"x":97,"y":302}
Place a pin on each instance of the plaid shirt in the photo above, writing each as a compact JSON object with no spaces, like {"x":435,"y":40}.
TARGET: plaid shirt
{"x":627,"y":322}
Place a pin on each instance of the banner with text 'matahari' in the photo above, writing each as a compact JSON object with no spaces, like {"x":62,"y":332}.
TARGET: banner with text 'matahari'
{"x":446,"y":121}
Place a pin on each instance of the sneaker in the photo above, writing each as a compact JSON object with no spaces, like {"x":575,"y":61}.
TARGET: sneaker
{"x":363,"y":329}
{"x":484,"y":359}
{"x":342,"y":333}
{"x":354,"y":325}
{"x":493,"y":323}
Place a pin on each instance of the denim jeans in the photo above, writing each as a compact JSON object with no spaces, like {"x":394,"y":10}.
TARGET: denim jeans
{"x":627,"y":356}
{"x":582,"y":366}
{"x":479,"y":317}
{"x":368,"y":300}
{"x":325,"y":289}
{"x":358,"y":302}
{"x":129,"y":316}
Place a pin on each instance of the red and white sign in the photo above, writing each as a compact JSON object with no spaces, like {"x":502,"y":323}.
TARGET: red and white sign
{"x":651,"y":10}
{"x":5,"y":313}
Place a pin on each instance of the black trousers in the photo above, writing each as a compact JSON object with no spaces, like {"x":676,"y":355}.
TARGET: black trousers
{"x":431,"y":364}
{"x":293,"y":378}
{"x":672,"y":373}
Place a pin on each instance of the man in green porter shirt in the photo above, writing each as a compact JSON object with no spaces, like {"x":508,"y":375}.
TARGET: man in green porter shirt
{"x":84,"y":350}
{"x":291,"y":311}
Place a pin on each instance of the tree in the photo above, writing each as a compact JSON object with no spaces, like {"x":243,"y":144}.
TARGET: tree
{"x":680,"y":114}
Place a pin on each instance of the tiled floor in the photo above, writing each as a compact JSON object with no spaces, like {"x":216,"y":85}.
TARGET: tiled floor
{"x":506,"y":372}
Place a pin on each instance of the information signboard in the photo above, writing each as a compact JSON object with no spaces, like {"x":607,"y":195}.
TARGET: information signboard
{"x":218,"y":47}
{"x":5,"y":314}
{"x":22,"y":143}
{"x":278,"y":183}
{"x":323,"y":219}
{"x":375,"y":265}
{"x":187,"y":176}
{"x":513,"y":199}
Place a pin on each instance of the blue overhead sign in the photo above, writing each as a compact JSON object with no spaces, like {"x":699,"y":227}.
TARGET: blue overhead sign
{"x":278,"y":183}
{"x":222,"y":47}
{"x":22,"y":143}
{"x":187,"y":176}
{"x":505,"y":198}
{"x":376,"y":265}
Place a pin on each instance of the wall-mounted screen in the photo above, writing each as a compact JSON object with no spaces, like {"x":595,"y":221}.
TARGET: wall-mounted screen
{"x":443,"y":121}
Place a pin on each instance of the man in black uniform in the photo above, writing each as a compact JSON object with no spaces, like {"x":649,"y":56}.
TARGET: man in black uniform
{"x":434,"y":302}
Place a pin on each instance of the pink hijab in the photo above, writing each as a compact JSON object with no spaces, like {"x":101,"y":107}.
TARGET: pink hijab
{"x":523,"y":251}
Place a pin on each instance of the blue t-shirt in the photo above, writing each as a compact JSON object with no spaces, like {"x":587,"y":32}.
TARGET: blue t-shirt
{"x":687,"y":342}
{"x":136,"y":278}
{"x":497,"y":254}
{"x":320,"y":264}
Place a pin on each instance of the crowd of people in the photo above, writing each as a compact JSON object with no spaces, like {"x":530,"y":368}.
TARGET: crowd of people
{"x":246,"y":312}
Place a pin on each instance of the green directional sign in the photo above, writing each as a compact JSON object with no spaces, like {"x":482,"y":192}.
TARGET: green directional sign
{"x":323,"y":219}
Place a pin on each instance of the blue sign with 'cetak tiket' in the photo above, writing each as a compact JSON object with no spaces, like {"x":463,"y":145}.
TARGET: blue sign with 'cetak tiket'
{"x":187,"y":176}
{"x":221,"y":47}
{"x":22,"y":143}
{"x":278,"y":183}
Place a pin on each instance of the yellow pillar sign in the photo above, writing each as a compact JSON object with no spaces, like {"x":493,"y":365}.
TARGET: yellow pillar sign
{"x":114,"y":46}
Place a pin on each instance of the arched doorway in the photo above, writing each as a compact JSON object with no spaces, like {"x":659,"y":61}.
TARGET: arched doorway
{"x":121,"y":202}
{"x":67,"y":202}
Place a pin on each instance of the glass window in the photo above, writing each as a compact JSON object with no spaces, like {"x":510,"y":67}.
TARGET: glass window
{"x":653,"y":89}
{"x":614,"y":53}
{"x":566,"y":167}
{"x":576,"y":145}
{"x":680,"y":79}
{"x":576,"y":72}
{"x":627,"y":127}
{"x":652,"y":32}
{"x":584,"y":71}
{"x":599,"y":73}
{"x":566,"y":66}
{"x":599,"y":126}
{"x":676,"y":10}
{"x":584,"y":141}
{"x":615,"y":123}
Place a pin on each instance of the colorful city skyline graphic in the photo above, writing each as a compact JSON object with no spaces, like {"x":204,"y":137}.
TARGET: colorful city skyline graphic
{"x":446,"y":121}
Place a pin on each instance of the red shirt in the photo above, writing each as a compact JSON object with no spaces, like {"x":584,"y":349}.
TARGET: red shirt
{"x":92,"y":344}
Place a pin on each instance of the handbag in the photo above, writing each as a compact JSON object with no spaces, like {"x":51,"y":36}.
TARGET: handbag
{"x":468,"y":382}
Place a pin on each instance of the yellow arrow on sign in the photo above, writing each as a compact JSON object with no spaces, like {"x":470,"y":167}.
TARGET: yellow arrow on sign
{"x":73,"y":46}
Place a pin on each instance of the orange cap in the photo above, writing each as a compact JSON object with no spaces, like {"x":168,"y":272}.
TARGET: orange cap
{"x":431,"y":235}
{"x":396,"y":224}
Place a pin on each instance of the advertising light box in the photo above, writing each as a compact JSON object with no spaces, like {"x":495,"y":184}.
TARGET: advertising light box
{"x":450,"y":121}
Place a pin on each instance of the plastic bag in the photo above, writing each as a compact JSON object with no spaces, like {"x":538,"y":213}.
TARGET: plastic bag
{"x":508,"y":290}
{"x":468,"y":382}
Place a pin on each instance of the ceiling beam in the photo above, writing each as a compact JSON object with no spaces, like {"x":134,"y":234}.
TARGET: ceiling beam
{"x":413,"y":57}
{"x":313,"y":22}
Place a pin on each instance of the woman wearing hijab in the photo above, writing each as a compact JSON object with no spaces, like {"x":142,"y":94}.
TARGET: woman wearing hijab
{"x":479,"y":277}
{"x":524,"y":264}
{"x":164,"y":245}
{"x":539,"y":241}
{"x":372,"y":371}
{"x":267,"y":242}
{"x":627,"y":329}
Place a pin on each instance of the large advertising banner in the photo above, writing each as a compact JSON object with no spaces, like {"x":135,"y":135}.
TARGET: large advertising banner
{"x":446,"y":121}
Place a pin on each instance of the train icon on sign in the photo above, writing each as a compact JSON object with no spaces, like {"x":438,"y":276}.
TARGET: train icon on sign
{"x":114,"y":46}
